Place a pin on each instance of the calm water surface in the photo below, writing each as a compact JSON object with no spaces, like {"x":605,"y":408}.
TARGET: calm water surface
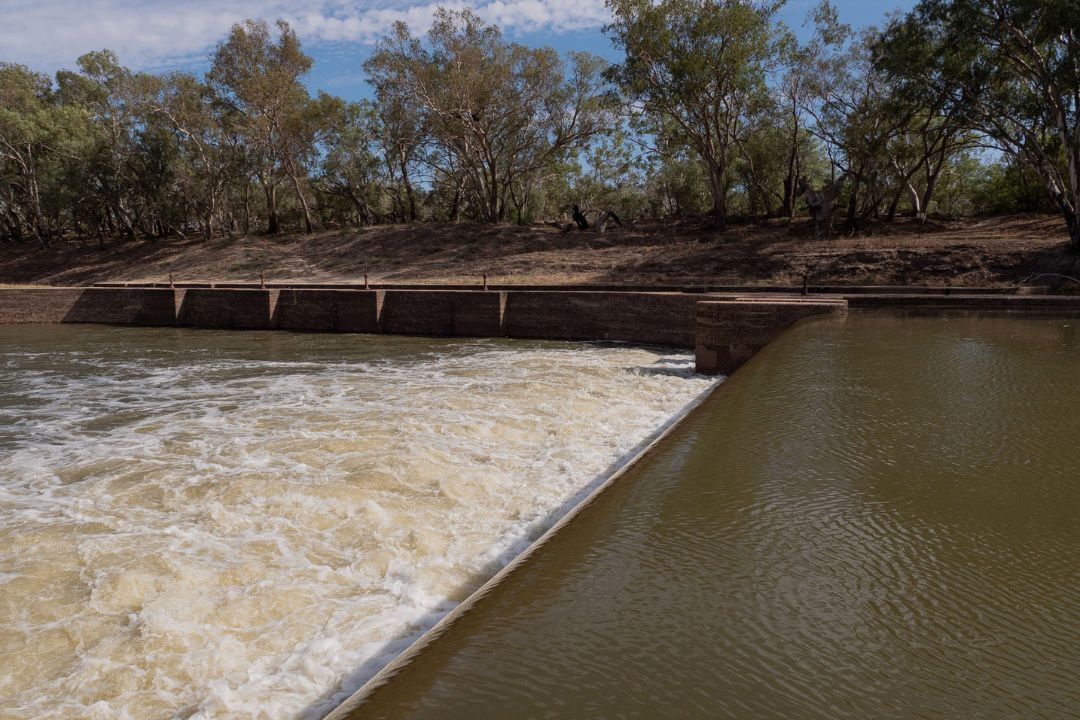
{"x":201,"y":524}
{"x":875,"y":518}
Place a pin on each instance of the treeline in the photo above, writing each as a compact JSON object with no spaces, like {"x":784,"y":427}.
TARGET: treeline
{"x":959,"y":107}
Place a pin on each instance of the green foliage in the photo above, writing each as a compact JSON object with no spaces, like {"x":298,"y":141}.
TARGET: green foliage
{"x":1009,"y":69}
{"x":701,"y":65}
{"x":493,"y":117}
{"x":715,"y":109}
{"x":1006,"y":187}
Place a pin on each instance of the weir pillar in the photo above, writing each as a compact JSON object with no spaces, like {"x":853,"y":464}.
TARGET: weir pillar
{"x":728,"y":332}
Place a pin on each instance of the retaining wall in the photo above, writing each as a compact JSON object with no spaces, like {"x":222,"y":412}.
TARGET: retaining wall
{"x":327,"y":310}
{"x":37,"y":305}
{"x":730,"y":332}
{"x":725,"y":331}
{"x":451,"y":313}
{"x":118,"y":306}
{"x":226,"y":309}
{"x":658,"y":318}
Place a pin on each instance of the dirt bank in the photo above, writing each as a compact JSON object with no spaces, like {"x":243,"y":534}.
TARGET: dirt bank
{"x":991,"y":251}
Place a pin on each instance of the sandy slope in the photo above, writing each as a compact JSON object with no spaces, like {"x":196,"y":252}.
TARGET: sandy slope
{"x":992,"y":251}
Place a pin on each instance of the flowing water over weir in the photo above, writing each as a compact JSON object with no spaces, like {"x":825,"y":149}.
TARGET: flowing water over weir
{"x":874,"y":518}
{"x":212,"y":524}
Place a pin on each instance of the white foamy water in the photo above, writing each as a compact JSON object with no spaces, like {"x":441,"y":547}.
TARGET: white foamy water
{"x":219,"y":525}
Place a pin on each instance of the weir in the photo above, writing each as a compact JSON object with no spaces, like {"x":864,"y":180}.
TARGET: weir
{"x":725,"y":329}
{"x":725,"y":326}
{"x":767,"y":559}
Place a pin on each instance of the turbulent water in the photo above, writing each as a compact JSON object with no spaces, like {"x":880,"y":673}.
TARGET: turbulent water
{"x":203,"y":524}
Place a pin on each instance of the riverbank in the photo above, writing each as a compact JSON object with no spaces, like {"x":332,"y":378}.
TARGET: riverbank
{"x":998,"y":251}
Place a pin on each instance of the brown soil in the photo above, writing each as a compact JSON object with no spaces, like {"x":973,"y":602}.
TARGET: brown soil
{"x":975,"y":252}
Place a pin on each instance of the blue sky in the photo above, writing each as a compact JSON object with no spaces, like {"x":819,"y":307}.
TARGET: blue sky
{"x":179,"y":34}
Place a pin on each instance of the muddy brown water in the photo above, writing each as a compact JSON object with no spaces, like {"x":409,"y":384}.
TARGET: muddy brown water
{"x":876,"y":517}
{"x":215,"y":525}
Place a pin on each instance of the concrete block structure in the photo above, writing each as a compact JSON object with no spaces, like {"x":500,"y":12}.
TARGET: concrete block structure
{"x":447,"y":313}
{"x":227,"y":309}
{"x":354,"y":311}
{"x":656,"y":318}
{"x":725,"y":327}
{"x":730,"y":332}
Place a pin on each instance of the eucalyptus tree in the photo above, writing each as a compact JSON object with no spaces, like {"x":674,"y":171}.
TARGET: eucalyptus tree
{"x":351,"y":166}
{"x":114,"y":97}
{"x":921,"y":150}
{"x":1008,"y":68}
{"x":769,"y":158}
{"x":793,"y":94}
{"x":259,"y":75}
{"x":209,"y":154}
{"x":399,"y":118}
{"x":30,"y":120}
{"x":848,"y":101}
{"x":498,"y":113}
{"x":611,"y":176}
{"x":703,"y":64}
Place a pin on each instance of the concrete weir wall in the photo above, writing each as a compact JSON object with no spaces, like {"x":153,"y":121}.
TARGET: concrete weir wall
{"x":116,"y":306}
{"x":731,"y":331}
{"x":724,"y":328}
{"x":326,"y":310}
{"x":659,"y":318}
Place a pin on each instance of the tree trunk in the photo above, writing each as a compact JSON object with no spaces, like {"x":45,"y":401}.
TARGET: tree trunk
{"x":308,"y":226}
{"x":928,"y":195}
{"x":404,"y":167}
{"x":1073,"y":221}
{"x":788,"y":205}
{"x":455,"y":206}
{"x":719,"y":213}
{"x":124,"y":218}
{"x":917,"y":206}
{"x":894,"y":204}
{"x":791,"y":180}
{"x":716,"y":185}
{"x":272,"y":226}
{"x":853,"y":205}
{"x":364,"y":212}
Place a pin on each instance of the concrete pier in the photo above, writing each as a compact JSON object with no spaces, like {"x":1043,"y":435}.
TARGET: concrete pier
{"x":730,"y":332}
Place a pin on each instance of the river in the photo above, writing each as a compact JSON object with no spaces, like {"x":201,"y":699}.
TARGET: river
{"x":877,"y":517}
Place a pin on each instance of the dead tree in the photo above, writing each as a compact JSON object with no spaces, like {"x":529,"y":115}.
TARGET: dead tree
{"x":822,"y":203}
{"x":579,"y":218}
{"x":581,"y":222}
{"x":604,"y":217}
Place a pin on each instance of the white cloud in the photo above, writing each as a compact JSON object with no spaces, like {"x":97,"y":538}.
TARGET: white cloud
{"x":153,"y":34}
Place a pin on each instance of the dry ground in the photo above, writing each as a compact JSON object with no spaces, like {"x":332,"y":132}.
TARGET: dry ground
{"x":991,"y":251}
